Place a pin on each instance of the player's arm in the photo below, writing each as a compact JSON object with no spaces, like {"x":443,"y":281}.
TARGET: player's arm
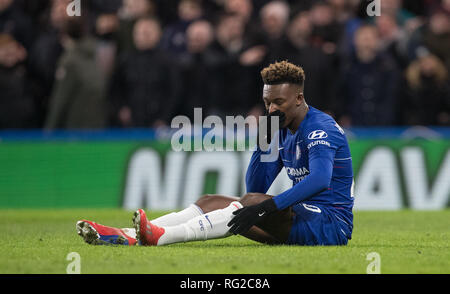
{"x":321,"y":170}
{"x":260,"y":175}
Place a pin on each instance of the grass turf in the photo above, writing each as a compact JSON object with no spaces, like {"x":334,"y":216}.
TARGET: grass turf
{"x":38,"y":241}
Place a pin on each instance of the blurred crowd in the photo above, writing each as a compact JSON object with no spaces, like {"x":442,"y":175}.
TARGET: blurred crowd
{"x":139,"y":63}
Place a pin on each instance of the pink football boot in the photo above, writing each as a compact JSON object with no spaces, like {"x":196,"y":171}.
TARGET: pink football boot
{"x":147,"y":233}
{"x":96,"y":234}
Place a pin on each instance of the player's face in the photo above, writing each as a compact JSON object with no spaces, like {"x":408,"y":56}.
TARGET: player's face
{"x":284,"y":97}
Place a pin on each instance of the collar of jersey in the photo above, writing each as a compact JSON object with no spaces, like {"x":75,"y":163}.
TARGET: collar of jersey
{"x":300,"y":127}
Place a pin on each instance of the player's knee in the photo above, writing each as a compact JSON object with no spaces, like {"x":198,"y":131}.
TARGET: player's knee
{"x":205,"y":199}
{"x":208,"y":202}
{"x":253,"y":198}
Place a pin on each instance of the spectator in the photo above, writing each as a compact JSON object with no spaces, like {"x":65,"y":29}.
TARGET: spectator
{"x":242,"y":8}
{"x":437,"y":36}
{"x":369,"y":83}
{"x":221,"y":66}
{"x":344,"y":10}
{"x":317,"y":65}
{"x":349,"y":23}
{"x":229,"y":33}
{"x":44,"y":56}
{"x":235,"y":96}
{"x":393,"y":39}
{"x":15,"y":23}
{"x":198,"y":65}
{"x":253,"y":56}
{"x":425,"y":98}
{"x":103,"y":17}
{"x":106,"y":26}
{"x":259,"y":38}
{"x":253,"y":33}
{"x":326,"y":31}
{"x":274,"y":19}
{"x":174,"y":38}
{"x":16,"y":104}
{"x":129,"y":13}
{"x":144,"y":86}
{"x":394,"y":9}
{"x":78,"y":97}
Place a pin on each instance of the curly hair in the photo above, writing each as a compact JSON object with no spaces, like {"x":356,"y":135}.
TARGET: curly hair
{"x":283,"y":72}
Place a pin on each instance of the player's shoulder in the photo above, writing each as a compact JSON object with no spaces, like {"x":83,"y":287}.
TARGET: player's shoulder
{"x":319,"y":124}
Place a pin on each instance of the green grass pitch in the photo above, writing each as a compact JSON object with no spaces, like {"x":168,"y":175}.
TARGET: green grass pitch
{"x":38,"y":241}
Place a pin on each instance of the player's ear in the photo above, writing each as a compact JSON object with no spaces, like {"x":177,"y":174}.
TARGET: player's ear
{"x":300,"y":98}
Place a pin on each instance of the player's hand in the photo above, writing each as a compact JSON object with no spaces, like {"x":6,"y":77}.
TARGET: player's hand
{"x":249,"y":216}
{"x":267,"y":119}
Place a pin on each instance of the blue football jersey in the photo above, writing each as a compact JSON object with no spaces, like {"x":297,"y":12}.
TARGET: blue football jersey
{"x":318,"y":161}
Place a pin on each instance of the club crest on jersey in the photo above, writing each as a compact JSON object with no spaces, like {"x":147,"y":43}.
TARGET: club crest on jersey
{"x":298,"y":153}
{"x":317,"y":134}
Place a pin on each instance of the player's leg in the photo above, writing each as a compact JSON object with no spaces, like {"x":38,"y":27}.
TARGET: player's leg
{"x":276,"y":226}
{"x":97,"y":234}
{"x":207,"y":226}
{"x":213,"y":223}
{"x":209,"y":203}
{"x":274,"y":230}
{"x":179,"y":217}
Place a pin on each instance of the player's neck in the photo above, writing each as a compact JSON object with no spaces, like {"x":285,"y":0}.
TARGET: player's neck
{"x":293,"y":127}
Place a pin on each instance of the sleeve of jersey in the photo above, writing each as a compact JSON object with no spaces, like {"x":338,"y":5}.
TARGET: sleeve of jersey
{"x":260,"y":175}
{"x":321,"y":169}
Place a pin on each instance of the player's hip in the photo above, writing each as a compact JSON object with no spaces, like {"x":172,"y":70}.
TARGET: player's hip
{"x":316,"y":224}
